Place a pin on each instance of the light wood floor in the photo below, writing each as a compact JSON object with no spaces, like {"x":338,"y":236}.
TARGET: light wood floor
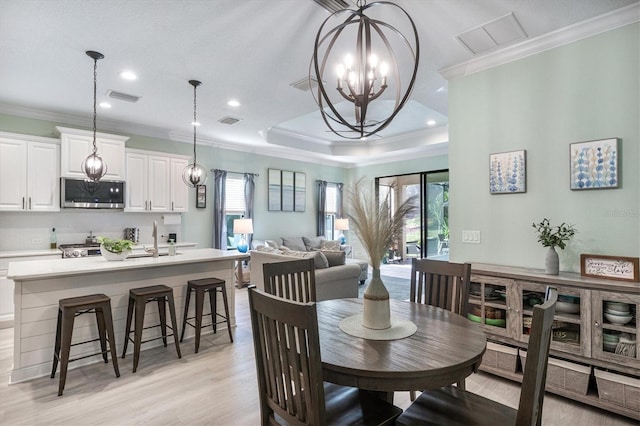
{"x":215,"y":387}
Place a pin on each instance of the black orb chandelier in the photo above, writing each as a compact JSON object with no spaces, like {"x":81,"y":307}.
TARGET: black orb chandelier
{"x":384,"y":61}
{"x":94,"y":167}
{"x":194,"y":174}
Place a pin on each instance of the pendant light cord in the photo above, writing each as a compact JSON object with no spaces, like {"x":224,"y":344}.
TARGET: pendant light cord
{"x":195,"y":124}
{"x":95,"y":111}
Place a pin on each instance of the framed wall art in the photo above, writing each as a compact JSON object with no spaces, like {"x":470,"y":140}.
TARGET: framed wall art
{"x":201,"y":196}
{"x":508,"y":172}
{"x":594,"y":164}
{"x":610,"y":267}
{"x":287,"y":191}
{"x":275,"y":190}
{"x":300,"y":193}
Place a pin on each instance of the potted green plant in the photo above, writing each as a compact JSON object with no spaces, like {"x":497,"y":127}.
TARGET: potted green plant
{"x":552,"y":237}
{"x":115,"y":249}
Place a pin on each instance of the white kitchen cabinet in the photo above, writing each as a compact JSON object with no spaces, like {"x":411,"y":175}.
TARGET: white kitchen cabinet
{"x":77,"y":144}
{"x":29,"y":173}
{"x":179,"y":190}
{"x":152,"y":182}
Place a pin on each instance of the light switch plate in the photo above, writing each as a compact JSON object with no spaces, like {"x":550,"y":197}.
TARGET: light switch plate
{"x":471,"y":237}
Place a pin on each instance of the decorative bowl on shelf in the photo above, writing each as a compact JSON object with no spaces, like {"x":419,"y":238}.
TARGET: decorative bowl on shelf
{"x":618,"y":319}
{"x":567,"y":307}
{"x":617,"y":306}
{"x":615,"y":312}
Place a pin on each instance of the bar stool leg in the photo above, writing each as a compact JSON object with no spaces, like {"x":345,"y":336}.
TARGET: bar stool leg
{"x":65,"y":343}
{"x":186,"y":312}
{"x":56,"y":349}
{"x":199,"y":312}
{"x":214,"y":308}
{"x":226,"y":312}
{"x":174,"y":322}
{"x":108,"y":318}
{"x":102,"y":333}
{"x":127,"y":330}
{"x":162,"y":311}
{"x":137,"y":339}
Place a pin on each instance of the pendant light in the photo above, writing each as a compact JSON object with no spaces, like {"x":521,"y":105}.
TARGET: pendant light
{"x":94,"y":166}
{"x":194,"y":174}
{"x":383,"y":59}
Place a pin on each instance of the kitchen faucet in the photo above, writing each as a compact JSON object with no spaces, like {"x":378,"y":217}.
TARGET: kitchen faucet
{"x":154,"y":250}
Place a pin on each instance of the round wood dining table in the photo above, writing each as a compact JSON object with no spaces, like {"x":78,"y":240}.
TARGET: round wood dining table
{"x":445,"y":349}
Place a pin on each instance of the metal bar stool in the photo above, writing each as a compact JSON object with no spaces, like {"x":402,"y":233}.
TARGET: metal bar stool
{"x":138,"y":299}
{"x":68,"y":310}
{"x":211,"y":285}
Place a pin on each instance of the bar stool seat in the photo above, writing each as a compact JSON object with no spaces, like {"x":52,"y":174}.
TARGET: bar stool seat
{"x":201,"y":286}
{"x":68,"y":310}
{"x":138,"y":299}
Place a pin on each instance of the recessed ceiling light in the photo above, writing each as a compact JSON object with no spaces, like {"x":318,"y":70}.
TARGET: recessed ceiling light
{"x":233,"y":103}
{"x":105,"y":104}
{"x":195,"y":123}
{"x":431,"y":123}
{"x":128,"y":75}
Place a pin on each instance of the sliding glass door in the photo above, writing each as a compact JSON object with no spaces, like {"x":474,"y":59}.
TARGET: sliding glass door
{"x":425,"y":233}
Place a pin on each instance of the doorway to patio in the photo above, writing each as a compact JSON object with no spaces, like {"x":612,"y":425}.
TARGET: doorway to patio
{"x":426,"y":232}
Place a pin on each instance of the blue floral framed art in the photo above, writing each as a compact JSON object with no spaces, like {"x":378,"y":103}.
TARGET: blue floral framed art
{"x":508,"y":172}
{"x":594,"y":164}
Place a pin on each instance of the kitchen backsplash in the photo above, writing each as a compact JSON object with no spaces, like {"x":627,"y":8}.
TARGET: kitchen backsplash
{"x":31,"y":231}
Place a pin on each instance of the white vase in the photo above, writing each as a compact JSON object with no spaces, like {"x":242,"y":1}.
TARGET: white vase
{"x":377,"y":314}
{"x":552,"y":262}
{"x":113,"y":256}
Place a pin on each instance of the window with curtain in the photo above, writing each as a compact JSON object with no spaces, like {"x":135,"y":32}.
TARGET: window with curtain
{"x":331,"y":209}
{"x":234,"y":207}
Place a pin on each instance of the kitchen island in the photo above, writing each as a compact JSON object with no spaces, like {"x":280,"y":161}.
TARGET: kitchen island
{"x":40,"y":284}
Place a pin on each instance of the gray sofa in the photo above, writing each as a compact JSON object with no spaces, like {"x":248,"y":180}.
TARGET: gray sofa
{"x":334,"y":282}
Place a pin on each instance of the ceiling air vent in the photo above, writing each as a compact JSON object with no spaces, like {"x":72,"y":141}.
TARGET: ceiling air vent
{"x":122,"y":96}
{"x":334,"y":5}
{"x":228,"y":120}
{"x":305,"y":84}
{"x":498,"y":32}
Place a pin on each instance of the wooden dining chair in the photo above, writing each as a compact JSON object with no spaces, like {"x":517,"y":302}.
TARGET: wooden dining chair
{"x":441,"y":284}
{"x":293,"y":280}
{"x":453,"y":406}
{"x":287,"y":352}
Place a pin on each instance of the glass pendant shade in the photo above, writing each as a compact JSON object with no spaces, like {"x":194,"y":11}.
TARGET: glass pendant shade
{"x":94,"y":167}
{"x":360,"y":94}
{"x":194,"y":174}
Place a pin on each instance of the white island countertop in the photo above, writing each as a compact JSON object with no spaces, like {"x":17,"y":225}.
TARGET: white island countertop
{"x":57,"y":268}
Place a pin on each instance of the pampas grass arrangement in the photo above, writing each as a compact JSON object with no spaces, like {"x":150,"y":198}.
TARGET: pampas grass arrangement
{"x":376,"y":226}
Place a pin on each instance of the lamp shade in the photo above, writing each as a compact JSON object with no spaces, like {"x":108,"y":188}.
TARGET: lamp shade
{"x":342,"y":224}
{"x":243,"y":226}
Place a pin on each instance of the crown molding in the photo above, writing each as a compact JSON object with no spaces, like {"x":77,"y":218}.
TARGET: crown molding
{"x":581,"y":30}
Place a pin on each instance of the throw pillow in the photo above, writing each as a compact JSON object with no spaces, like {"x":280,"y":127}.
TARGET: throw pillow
{"x":335,"y":258}
{"x":270,"y":243}
{"x":313,"y":243}
{"x":268,"y":249}
{"x":319,"y":259}
{"x":294,"y":243}
{"x":330,"y":245}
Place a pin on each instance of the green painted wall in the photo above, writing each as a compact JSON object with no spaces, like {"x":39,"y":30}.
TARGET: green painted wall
{"x":583,"y":91}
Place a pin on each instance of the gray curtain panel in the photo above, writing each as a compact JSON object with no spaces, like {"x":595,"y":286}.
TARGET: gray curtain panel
{"x":249,"y":192}
{"x":322,"y":198}
{"x":219,"y":223}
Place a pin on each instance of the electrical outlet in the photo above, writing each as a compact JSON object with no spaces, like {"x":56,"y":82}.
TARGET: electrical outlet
{"x":35,"y":241}
{"x":471,"y":237}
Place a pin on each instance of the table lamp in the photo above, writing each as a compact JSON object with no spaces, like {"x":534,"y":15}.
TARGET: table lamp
{"x":243,"y":227}
{"x":342,"y":225}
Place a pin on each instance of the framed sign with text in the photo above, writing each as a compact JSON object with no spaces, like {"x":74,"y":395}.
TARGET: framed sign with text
{"x":610,"y":267}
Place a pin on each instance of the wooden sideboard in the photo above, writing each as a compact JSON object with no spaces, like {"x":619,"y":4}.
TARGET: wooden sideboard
{"x":501,"y":299}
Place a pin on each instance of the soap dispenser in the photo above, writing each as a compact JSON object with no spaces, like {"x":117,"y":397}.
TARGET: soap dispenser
{"x":53,"y":239}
